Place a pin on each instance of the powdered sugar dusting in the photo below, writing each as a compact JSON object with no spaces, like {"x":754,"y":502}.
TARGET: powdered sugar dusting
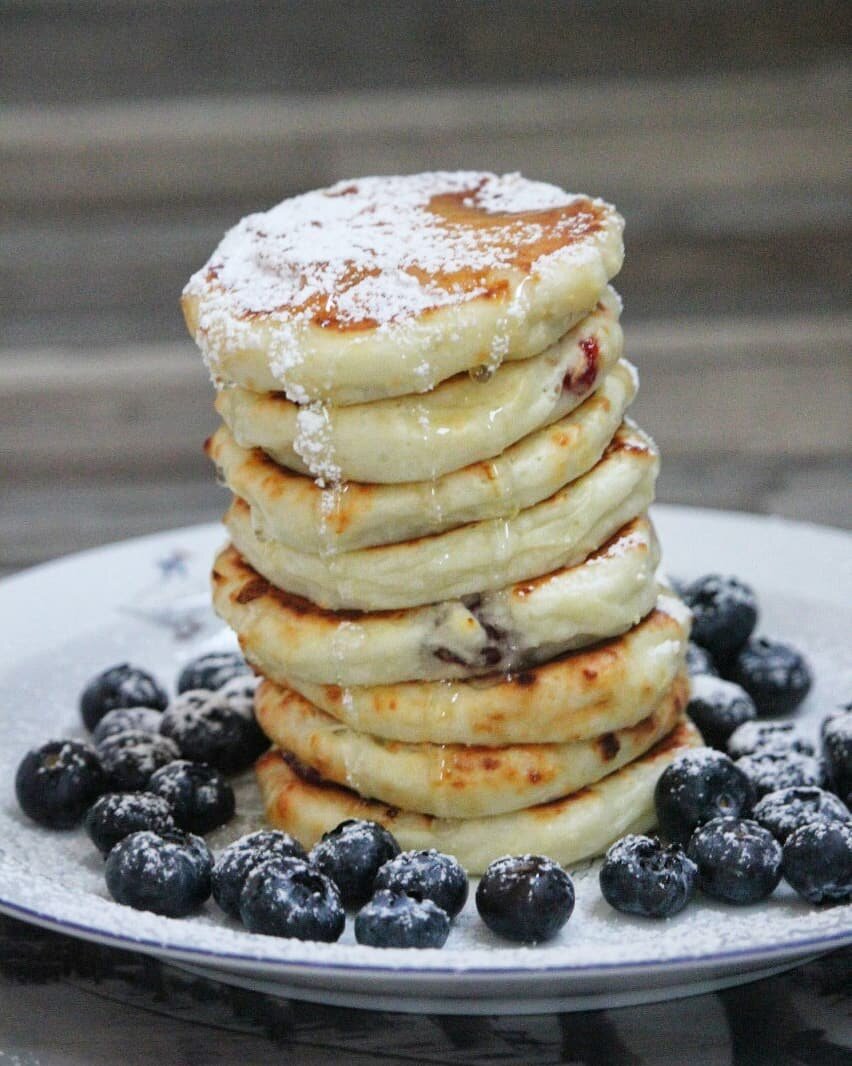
{"x":315,"y":444}
{"x":381,"y":251}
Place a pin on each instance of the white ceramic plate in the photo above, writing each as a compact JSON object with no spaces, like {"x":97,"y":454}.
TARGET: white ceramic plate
{"x":146,"y":601}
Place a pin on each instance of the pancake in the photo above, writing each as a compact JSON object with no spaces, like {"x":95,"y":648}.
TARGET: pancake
{"x":422,"y":437}
{"x":386,"y":286}
{"x":293,"y":510}
{"x":579,"y":826}
{"x":288,"y":637}
{"x":456,"y":780}
{"x":575,"y":696}
{"x":471,"y":559}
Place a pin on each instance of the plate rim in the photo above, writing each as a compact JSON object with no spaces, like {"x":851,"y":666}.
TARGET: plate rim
{"x":789,"y":949}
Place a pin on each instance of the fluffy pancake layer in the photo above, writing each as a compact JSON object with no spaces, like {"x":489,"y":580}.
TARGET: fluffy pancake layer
{"x":576,"y":696}
{"x":454,"y":780}
{"x":287,"y":637}
{"x":568,"y":830}
{"x":478,"y":557}
{"x":419,"y":438}
{"x":293,"y":510}
{"x":337,"y":294}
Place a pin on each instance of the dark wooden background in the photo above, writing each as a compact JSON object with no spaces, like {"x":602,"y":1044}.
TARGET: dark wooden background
{"x":133,"y":134}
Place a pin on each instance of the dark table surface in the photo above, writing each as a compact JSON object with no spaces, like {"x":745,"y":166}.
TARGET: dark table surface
{"x":65,"y":1001}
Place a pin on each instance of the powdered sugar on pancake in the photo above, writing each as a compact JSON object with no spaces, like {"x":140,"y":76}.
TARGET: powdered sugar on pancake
{"x":313,"y":442}
{"x":377,"y":252}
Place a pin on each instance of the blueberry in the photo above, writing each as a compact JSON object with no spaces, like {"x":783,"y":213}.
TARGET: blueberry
{"x":640,"y":875}
{"x":210,"y":730}
{"x":752,"y":737}
{"x":832,"y":716}
{"x":738,"y":860}
{"x":818,"y":861}
{"x":120,"y":686}
{"x":770,"y":771}
{"x":211,"y":671}
{"x":698,"y":786}
{"x":699,"y":660}
{"x":131,"y":757}
{"x":239,"y":693}
{"x":776,"y":676}
{"x":118,"y":814}
{"x":289,"y":897}
{"x":351,"y":855}
{"x":837,"y":751}
{"x":426,"y":875}
{"x":788,"y":809}
{"x":56,"y":783}
{"x":241,"y":856}
{"x":724,"y":613}
{"x":395,"y":920}
{"x":527,"y":898}
{"x":166,"y":873}
{"x":200,"y":798}
{"x":145,"y":719}
{"x":718,"y":708}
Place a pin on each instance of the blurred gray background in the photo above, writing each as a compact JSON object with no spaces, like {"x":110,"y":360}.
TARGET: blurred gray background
{"x":133,"y":133}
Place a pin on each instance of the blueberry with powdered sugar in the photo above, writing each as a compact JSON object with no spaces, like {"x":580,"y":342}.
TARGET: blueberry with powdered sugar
{"x":525,"y":898}
{"x":718,"y":707}
{"x":788,"y":809}
{"x":241,"y":856}
{"x":817,"y":861}
{"x":770,"y":771}
{"x":210,"y":730}
{"x":57,"y":782}
{"x":211,"y":671}
{"x":167,"y":873}
{"x":396,"y":920}
{"x":427,"y":874}
{"x":239,"y":693}
{"x":724,"y":614}
{"x":129,"y":758}
{"x":351,"y":854}
{"x":118,"y":814}
{"x":199,"y":796}
{"x":832,"y":715}
{"x":120,"y":686}
{"x":775,"y":675}
{"x":699,"y":661}
{"x":837,"y":752}
{"x":145,"y":719}
{"x":289,"y":897}
{"x":752,"y":737}
{"x":698,"y":786}
{"x":640,"y":875}
{"x":738,"y":860}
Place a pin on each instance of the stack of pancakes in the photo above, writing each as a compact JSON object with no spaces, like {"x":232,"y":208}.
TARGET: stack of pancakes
{"x":440,"y":558}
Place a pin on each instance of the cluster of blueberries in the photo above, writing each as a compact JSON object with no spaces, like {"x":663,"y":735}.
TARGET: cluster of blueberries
{"x":734,"y":816}
{"x":403,"y":899}
{"x":153,"y":781}
{"x":758,"y":803}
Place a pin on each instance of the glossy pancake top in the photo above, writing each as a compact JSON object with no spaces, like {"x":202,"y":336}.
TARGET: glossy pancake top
{"x":351,"y":269}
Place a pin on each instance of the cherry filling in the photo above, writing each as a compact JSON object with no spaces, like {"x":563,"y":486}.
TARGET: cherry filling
{"x":582,"y":378}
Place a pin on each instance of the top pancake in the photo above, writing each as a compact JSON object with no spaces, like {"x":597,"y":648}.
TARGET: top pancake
{"x":386,"y":286}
